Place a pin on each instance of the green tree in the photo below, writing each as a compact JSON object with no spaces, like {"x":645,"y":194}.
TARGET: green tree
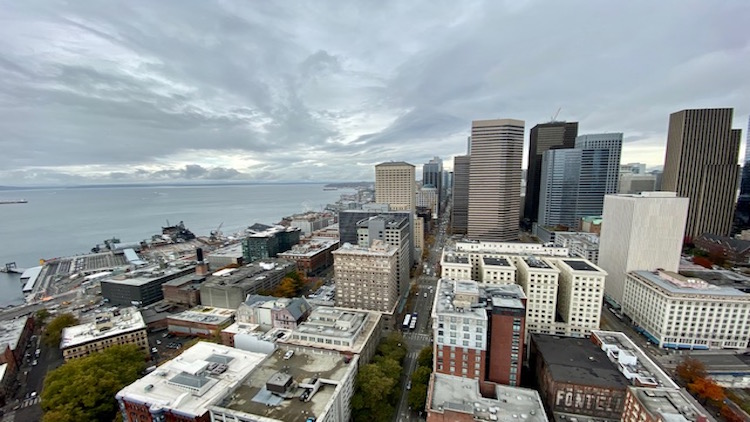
{"x":53,"y":332}
{"x":417,"y":396}
{"x":41,"y":316}
{"x":393,"y":347}
{"x":84,"y":388}
{"x":421,"y":375}
{"x":425,"y":357}
{"x":370,"y":401}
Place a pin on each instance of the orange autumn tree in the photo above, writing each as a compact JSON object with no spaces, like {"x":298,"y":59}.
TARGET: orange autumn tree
{"x":707,"y":389}
{"x":689,"y":370}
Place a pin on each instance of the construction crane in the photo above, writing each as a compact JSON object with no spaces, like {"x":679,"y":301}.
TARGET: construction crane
{"x":554,"y":117}
{"x":216,"y":233}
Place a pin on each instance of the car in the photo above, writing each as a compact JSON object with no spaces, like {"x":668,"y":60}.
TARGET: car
{"x":154,"y":350}
{"x":425,"y":294}
{"x":158,"y":341}
{"x":288,"y":355}
{"x":38,"y":351}
{"x":33,"y":394}
{"x":34,"y":362}
{"x":408,"y":385}
{"x":165,"y":335}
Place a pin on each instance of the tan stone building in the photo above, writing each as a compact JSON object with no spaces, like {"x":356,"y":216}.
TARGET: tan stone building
{"x":366,"y":278}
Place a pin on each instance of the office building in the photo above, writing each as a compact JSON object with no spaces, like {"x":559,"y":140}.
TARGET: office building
{"x":637,"y":183}
{"x":632,"y":168}
{"x":432,"y":175}
{"x":573,"y":182}
{"x":367,"y":277}
{"x":665,"y":307}
{"x":495,"y":179}
{"x":313,"y":256}
{"x":140,"y":287}
{"x":460,"y":192}
{"x":185,"y":290}
{"x":392,"y":230}
{"x":124,"y":326}
{"x":581,"y":244}
{"x":229,"y":287}
{"x":478,"y":331}
{"x":640,"y":232}
{"x":311,"y":221}
{"x":544,"y":137}
{"x":395,"y":185}
{"x":268,"y":241}
{"x":200,"y":321}
{"x":228,"y":255}
{"x":742,"y":213}
{"x":457,"y":399}
{"x":427,"y":197}
{"x":701,"y":164}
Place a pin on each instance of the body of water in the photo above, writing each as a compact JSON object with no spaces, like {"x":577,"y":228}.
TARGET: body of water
{"x":69,"y":221}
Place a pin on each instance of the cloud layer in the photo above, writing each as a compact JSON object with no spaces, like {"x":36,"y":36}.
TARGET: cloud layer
{"x":319,"y":90}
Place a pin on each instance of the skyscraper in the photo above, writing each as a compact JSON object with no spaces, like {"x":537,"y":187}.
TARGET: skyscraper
{"x":395,"y":185}
{"x":574,"y":181}
{"x":640,"y":232}
{"x":460,"y":210}
{"x":495,"y":179}
{"x":742,"y":214}
{"x":701,"y":164}
{"x":544,"y":137}
{"x":432,"y":174}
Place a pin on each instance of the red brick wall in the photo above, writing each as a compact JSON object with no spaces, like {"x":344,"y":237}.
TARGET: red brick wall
{"x":461,"y":355}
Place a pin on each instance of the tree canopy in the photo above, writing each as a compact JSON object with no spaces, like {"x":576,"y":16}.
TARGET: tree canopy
{"x":53,"y":332}
{"x":84,"y":389}
{"x":377,"y":383}
{"x":690,"y":370}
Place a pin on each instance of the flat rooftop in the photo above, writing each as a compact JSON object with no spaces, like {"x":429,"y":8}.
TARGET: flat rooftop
{"x":231,"y":251}
{"x":498,"y":262}
{"x":580,"y":265}
{"x":455,"y":258}
{"x":10,"y":332}
{"x":643,"y":369}
{"x":376,"y":249}
{"x":501,"y":295}
{"x":679,"y":284}
{"x":534,"y":262}
{"x":106,"y":324}
{"x":578,"y":361}
{"x":249,"y":273}
{"x":147,"y":275}
{"x":253,"y":398}
{"x":310,"y":248}
{"x":669,"y":405}
{"x":354,"y":325}
{"x":204,"y":315}
{"x":511,"y":404}
{"x":194,"y":380}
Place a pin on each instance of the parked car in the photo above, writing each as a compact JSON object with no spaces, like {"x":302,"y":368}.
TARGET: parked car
{"x":288,"y":354}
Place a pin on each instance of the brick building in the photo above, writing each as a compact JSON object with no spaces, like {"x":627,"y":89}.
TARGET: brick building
{"x":313,"y":256}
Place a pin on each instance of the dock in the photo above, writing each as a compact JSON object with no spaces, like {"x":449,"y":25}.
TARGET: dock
{"x":11,"y":268}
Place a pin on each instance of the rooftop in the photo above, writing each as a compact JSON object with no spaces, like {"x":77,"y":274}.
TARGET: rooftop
{"x":631,"y":361}
{"x":578,"y":361}
{"x":147,"y":275}
{"x":667,"y":405}
{"x":311,"y":247}
{"x":391,"y":221}
{"x":534,"y":262}
{"x":10,"y":333}
{"x":338,"y":323}
{"x":581,"y":265}
{"x":250,"y":273}
{"x":455,"y":258}
{"x":106,"y":324}
{"x":496,"y":261}
{"x":450,"y":393}
{"x":487,"y":295}
{"x":259,"y":230}
{"x":394,"y":163}
{"x":377,"y":248}
{"x":233,"y":251}
{"x":253,"y":397}
{"x":297,"y":306}
{"x":198,"y":378}
{"x":678,"y":284}
{"x":205,"y":315}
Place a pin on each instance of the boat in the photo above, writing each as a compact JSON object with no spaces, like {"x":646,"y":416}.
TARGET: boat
{"x":13,"y":201}
{"x":330,"y":188}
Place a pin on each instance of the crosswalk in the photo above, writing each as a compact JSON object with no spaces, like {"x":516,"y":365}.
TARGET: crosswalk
{"x":418,"y":337}
{"x":30,"y":402}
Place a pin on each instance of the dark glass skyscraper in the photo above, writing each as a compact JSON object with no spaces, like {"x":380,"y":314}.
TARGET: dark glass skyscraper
{"x":432,"y":174}
{"x":742,"y":214}
{"x":544,"y":137}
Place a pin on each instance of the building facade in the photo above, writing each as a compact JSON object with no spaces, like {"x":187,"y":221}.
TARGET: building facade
{"x":393,"y":230}
{"x":544,"y":137}
{"x":124,"y":326}
{"x":229,"y":287}
{"x":366,"y":277}
{"x":141,"y":287}
{"x":674,"y":311}
{"x":640,"y":232}
{"x":701,"y":164}
{"x":432,"y":175}
{"x":269,"y":243}
{"x":460,"y":193}
{"x":313,"y":256}
{"x":495,"y":179}
{"x":395,"y":185}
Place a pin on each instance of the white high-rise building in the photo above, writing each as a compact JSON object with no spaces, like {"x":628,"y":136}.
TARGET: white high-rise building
{"x":495,"y":179}
{"x":640,"y":232}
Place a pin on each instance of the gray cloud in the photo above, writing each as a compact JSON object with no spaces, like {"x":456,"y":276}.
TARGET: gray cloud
{"x":322,"y":91}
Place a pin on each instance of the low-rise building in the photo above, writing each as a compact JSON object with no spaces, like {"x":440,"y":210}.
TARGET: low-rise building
{"x":184,"y":388}
{"x":14,"y":336}
{"x":456,"y":399}
{"x":228,"y":255}
{"x":273,"y":312}
{"x":140,"y":287}
{"x":292,"y":385}
{"x":342,"y":331}
{"x":185,"y":290}
{"x":657,"y":405}
{"x":201,"y":321}
{"x":732,"y":251}
{"x":312,"y":221}
{"x":665,"y":307}
{"x":584,"y":245}
{"x":313,"y":256}
{"x":124,"y":326}
{"x":229,"y":287}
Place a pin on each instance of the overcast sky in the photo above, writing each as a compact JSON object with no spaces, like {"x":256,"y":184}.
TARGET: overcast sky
{"x":136,"y":91}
